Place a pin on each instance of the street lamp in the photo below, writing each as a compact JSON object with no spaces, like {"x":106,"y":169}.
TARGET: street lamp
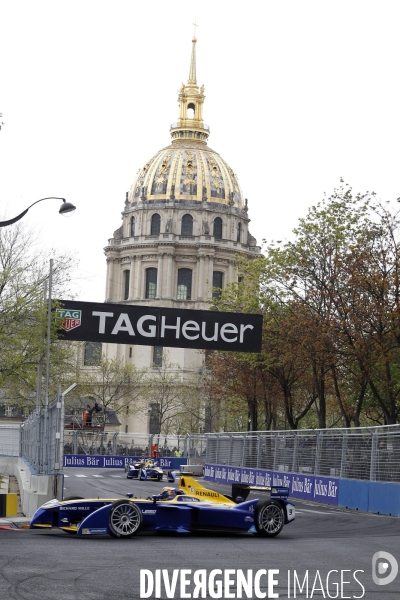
{"x":66,"y":207}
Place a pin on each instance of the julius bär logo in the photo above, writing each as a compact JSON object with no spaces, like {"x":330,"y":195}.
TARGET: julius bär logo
{"x":68,"y":319}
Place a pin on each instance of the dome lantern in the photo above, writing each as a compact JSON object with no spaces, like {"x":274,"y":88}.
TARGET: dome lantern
{"x":190,"y":125}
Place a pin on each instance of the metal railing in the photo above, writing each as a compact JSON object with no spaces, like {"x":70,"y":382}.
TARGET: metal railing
{"x":367,"y":453}
{"x":9,"y":440}
{"x":41,"y":441}
{"x":90,"y":441}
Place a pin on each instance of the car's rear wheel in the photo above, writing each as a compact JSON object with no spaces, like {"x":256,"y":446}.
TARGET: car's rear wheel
{"x":269,"y":518}
{"x":125,"y":519}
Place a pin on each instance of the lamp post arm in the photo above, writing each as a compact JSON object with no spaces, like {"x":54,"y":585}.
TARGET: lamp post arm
{"x":15,"y":219}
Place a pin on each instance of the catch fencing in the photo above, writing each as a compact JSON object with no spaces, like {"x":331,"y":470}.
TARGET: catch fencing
{"x":41,"y":441}
{"x":9,"y":440}
{"x":89,"y":441}
{"x":365,"y":453}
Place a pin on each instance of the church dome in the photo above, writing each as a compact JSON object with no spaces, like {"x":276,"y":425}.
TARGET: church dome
{"x":188,"y":169}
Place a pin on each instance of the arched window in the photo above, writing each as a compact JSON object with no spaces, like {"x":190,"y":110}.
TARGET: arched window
{"x":151,"y":282}
{"x":217,"y":233}
{"x":127,"y":277}
{"x":239,"y":231}
{"x":191,"y":109}
{"x":132,"y":226}
{"x":184,"y":291}
{"x":92,"y":354}
{"x":155,"y":224}
{"x":187,"y":225}
{"x":217,"y":284}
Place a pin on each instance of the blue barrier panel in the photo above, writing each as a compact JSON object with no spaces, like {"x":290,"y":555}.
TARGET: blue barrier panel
{"x":171,"y":463}
{"x":354,"y":494}
{"x":384,"y":498}
{"x":306,"y":487}
{"x":116,"y":462}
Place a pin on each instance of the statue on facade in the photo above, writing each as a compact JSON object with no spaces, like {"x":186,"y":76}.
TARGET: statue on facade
{"x":206,"y":228}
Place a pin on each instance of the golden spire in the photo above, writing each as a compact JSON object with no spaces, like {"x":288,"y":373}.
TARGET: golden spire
{"x":191,"y":98}
{"x":192,"y":70}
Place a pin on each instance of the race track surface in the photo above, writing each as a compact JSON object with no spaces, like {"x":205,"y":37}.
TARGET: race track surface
{"x":52,"y":565}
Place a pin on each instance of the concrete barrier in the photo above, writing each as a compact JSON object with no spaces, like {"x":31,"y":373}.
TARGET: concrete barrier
{"x":34,"y":489}
{"x":354,"y":494}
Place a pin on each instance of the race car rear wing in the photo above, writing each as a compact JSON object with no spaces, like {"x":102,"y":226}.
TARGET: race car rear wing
{"x":240,"y":491}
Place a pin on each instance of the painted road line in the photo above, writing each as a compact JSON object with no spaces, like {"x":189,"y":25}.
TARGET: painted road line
{"x":81,"y":476}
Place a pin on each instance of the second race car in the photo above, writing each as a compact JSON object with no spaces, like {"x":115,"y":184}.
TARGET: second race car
{"x":145,"y":469}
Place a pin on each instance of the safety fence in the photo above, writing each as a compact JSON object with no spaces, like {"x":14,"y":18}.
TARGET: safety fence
{"x":365,"y":453}
{"x":10,"y":440}
{"x":90,"y":441}
{"x":41,"y":441}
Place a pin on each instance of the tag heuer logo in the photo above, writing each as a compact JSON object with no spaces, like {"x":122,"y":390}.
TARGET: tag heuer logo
{"x":68,"y":319}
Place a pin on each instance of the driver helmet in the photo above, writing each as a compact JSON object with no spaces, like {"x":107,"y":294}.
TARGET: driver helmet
{"x":168,"y":492}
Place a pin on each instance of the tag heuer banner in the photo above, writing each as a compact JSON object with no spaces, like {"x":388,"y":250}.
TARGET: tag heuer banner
{"x":151,"y":326}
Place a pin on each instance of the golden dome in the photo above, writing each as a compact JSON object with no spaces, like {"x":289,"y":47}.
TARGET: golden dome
{"x":188,"y":169}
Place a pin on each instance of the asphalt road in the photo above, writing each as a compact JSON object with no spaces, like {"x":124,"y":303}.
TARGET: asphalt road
{"x":56,"y":566}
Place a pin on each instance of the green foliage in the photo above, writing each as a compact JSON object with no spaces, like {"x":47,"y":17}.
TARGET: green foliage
{"x":112,"y":384}
{"x":23,"y":314}
{"x":330,"y":300}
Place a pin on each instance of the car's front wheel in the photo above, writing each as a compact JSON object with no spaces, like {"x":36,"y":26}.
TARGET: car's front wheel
{"x":269,"y":518}
{"x":125,"y":519}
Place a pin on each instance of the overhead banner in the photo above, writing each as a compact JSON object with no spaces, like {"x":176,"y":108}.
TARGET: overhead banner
{"x":153,"y":326}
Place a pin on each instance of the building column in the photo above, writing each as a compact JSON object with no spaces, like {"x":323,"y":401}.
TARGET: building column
{"x":110,"y":274}
{"x":118,"y":280}
{"x":200,"y":293}
{"x":138,"y":278}
{"x":159,"y":276}
{"x":169,"y":275}
{"x":230,"y":271}
{"x":210,"y":276}
{"x":132,"y":279}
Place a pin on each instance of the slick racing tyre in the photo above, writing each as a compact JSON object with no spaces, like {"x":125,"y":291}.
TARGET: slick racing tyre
{"x":269,"y":518}
{"x":125,"y":519}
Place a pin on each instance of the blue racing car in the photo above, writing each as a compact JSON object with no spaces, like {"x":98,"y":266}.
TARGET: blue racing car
{"x":144,"y":470}
{"x":190,"y":508}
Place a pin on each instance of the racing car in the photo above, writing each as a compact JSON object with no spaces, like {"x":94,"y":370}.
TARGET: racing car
{"x":190,"y":508}
{"x":144,"y":470}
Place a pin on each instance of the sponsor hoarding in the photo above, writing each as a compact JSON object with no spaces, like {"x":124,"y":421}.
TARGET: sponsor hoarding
{"x":306,"y":487}
{"x":153,"y":326}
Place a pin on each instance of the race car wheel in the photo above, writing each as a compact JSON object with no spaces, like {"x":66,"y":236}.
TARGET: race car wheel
{"x":269,"y":518}
{"x":160,"y":477}
{"x":125,"y":519}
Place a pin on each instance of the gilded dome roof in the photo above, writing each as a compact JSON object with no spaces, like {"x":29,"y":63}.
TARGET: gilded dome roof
{"x":188,"y":169}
